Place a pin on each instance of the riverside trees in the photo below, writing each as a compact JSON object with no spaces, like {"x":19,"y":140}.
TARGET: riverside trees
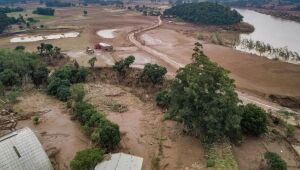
{"x":205,"y":13}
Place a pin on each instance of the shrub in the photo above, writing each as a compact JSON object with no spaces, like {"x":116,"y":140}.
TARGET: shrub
{"x":162,"y":98}
{"x":122,"y":65}
{"x":274,"y":161}
{"x":87,"y":159}
{"x":20,"y":47}
{"x":77,"y":92}
{"x":210,"y":163}
{"x":9,"y":78}
{"x":36,"y":120}
{"x":153,"y":73}
{"x":54,"y":85}
{"x":290,"y":131}
{"x":254,"y":120}
{"x":44,"y":11}
{"x":63,"y":93}
{"x":40,"y":75}
{"x":107,"y":135}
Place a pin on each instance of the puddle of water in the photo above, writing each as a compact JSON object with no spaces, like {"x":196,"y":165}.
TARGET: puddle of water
{"x":109,"y":33}
{"x":41,"y":38}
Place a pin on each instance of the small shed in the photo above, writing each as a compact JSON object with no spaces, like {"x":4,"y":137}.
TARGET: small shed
{"x":121,"y":161}
{"x":104,"y":46}
{"x":22,"y":150}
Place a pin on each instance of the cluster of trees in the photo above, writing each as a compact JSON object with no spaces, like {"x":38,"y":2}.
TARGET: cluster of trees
{"x":49,"y":53}
{"x":203,"y":98}
{"x":44,"y":11}
{"x":205,"y":13}
{"x":152,"y":73}
{"x":147,"y":11}
{"x":62,"y":79}
{"x":17,"y":67}
{"x":5,"y":21}
{"x":87,"y":159}
{"x":57,"y":3}
{"x":247,"y":3}
{"x":266,"y":49}
{"x":9,"y":10}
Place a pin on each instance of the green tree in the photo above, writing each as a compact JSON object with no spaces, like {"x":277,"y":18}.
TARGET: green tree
{"x":203,"y":99}
{"x":122,"y":66}
{"x":9,"y":78}
{"x":87,"y":159}
{"x":162,"y":98}
{"x":40,"y":75}
{"x":153,"y":73}
{"x":254,"y":120}
{"x":274,"y":161}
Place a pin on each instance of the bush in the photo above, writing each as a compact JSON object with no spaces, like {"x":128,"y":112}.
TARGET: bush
{"x":40,"y":75}
{"x":153,"y":73}
{"x":162,"y":98}
{"x":290,"y":131}
{"x":107,"y":135}
{"x":63,"y":93}
{"x":122,"y":65}
{"x":274,"y":161}
{"x":254,"y":120}
{"x":20,"y":47}
{"x":87,"y":159}
{"x":36,"y":120}
{"x":9,"y":77}
{"x":77,"y":92}
{"x":210,"y":163}
{"x":54,"y":85}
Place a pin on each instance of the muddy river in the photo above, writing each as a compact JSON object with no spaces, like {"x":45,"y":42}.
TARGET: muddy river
{"x":274,"y":31}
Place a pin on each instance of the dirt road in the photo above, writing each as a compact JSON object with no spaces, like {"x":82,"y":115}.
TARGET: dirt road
{"x":150,"y":50}
{"x":246,"y":98}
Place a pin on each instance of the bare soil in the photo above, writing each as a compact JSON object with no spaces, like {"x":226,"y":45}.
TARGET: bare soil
{"x":144,"y":132}
{"x":56,"y":131}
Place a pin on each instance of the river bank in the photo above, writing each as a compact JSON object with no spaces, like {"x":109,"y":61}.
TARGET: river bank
{"x":288,"y":15}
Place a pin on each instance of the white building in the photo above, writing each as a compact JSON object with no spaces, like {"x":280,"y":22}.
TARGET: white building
{"x":121,"y":161}
{"x":21,"y":150}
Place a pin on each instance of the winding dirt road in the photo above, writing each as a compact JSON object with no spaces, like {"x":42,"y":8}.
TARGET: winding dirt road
{"x":246,"y":98}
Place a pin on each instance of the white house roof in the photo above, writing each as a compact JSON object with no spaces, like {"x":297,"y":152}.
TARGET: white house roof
{"x":104,"y":45}
{"x":121,"y":161}
{"x":21,"y":150}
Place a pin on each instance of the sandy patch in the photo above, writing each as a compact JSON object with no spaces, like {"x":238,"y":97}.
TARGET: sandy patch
{"x":109,"y":33}
{"x":150,"y":40}
{"x":23,"y":39}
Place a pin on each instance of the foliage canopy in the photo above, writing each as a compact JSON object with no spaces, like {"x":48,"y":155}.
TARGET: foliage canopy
{"x":205,"y":13}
